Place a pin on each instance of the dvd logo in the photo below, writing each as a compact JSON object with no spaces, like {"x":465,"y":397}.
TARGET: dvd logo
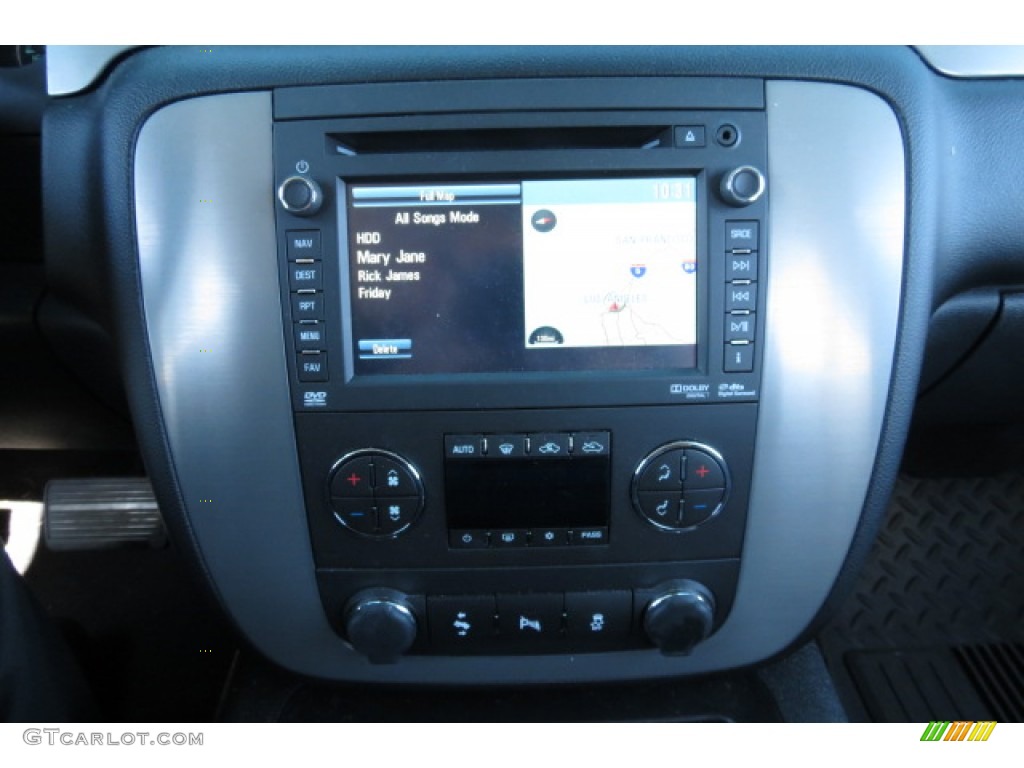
{"x":315,"y":399}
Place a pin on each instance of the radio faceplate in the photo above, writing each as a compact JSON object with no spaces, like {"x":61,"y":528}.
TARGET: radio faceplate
{"x":422,"y":279}
{"x":526,"y":349}
{"x":230,"y":429}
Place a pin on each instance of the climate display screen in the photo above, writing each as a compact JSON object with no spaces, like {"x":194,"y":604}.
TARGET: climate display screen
{"x":539,"y":275}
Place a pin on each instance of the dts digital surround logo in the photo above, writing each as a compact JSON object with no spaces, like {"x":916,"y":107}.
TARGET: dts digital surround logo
{"x":958,"y":731}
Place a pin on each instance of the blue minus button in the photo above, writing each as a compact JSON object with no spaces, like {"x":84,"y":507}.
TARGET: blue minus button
{"x":385,"y":349}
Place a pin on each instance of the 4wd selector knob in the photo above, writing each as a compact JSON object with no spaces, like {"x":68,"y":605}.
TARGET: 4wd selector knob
{"x":742,"y":186}
{"x":300,"y":195}
{"x":680,"y":617}
{"x":380,"y":624}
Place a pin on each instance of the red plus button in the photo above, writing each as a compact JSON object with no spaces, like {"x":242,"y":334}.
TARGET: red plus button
{"x":702,"y":471}
{"x":352,"y":479}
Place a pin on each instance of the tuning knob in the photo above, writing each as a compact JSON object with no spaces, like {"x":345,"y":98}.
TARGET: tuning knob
{"x":380,"y":624}
{"x":680,"y":617}
{"x":742,"y":186}
{"x":300,"y":195}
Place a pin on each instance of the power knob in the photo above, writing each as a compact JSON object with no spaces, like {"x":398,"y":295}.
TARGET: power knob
{"x":380,"y":624}
{"x":742,"y":186}
{"x":300,"y":196}
{"x":680,"y":617}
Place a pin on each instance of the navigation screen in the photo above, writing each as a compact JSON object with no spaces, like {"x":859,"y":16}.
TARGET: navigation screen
{"x":539,"y":275}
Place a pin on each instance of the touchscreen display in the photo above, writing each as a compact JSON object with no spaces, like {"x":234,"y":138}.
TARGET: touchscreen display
{"x":533,"y":275}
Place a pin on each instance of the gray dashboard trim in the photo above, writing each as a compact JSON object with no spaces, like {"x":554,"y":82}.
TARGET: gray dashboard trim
{"x":207,"y":249}
{"x":969,"y":61}
{"x":73,"y":68}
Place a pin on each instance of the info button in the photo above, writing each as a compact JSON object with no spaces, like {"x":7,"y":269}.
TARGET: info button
{"x":385,"y":349}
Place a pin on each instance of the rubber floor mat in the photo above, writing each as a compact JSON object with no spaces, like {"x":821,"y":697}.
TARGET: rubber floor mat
{"x":939,"y":606}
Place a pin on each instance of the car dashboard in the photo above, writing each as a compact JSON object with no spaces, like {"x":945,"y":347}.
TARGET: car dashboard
{"x":493,"y":366}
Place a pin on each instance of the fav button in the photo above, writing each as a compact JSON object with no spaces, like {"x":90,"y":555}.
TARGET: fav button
{"x":312,"y":366}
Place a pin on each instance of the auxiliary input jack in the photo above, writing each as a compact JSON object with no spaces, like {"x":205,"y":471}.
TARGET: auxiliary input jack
{"x":727,"y":135}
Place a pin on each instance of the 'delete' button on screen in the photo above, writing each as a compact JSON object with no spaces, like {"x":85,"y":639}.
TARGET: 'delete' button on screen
{"x":385,"y":349}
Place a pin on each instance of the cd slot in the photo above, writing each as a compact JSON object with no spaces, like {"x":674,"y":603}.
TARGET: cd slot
{"x":500,"y":139}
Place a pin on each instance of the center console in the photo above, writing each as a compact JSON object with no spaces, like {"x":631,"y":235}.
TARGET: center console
{"x":520,"y":380}
{"x":524,"y":355}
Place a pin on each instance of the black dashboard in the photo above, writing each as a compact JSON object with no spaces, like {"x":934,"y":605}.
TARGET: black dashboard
{"x":531,"y":365}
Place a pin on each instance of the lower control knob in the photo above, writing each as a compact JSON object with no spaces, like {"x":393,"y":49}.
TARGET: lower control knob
{"x":680,"y":617}
{"x":380,"y":624}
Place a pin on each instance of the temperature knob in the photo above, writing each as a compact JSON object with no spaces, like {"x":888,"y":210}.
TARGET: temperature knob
{"x":742,"y":186}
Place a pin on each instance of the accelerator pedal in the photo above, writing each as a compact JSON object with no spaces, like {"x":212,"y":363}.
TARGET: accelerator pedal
{"x":100,"y":513}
